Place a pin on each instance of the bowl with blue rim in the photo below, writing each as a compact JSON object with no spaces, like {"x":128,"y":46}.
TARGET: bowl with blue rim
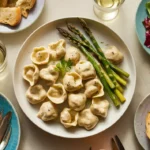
{"x":141,"y":14}
{"x":7,"y":106}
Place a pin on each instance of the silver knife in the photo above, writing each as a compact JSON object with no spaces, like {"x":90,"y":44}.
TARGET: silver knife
{"x":4,"y":125}
{"x":5,"y":139}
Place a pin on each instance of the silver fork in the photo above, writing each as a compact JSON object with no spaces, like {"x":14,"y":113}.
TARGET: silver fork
{"x":6,"y":137}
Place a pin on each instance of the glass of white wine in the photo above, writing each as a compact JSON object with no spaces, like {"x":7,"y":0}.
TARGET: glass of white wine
{"x":107,"y":9}
{"x":3,"y":61}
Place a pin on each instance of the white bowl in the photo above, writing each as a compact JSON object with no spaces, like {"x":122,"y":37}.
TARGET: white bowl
{"x":47,"y":34}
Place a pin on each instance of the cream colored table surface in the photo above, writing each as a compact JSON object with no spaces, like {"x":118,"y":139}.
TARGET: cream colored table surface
{"x":33,"y":138}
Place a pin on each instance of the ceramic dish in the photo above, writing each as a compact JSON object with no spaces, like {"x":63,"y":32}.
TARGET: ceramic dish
{"x":47,"y":34}
{"x":139,"y":122}
{"x":25,"y":22}
{"x":141,"y":14}
{"x":15,"y":125}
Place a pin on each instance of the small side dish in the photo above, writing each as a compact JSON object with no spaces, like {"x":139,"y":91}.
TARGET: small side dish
{"x":146,"y":24}
{"x":148,"y":125}
{"x":9,"y":124}
{"x":142,"y":122}
{"x":71,"y":84}
{"x":11,"y":11}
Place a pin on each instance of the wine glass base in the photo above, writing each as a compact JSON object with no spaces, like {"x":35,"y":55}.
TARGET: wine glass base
{"x":106,"y":16}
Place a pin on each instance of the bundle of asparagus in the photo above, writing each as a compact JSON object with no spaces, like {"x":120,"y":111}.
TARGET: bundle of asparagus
{"x":109,"y":74}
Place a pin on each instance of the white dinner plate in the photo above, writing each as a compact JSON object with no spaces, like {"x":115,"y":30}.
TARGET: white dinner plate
{"x":34,"y":13}
{"x":139,"y":122}
{"x":47,"y":34}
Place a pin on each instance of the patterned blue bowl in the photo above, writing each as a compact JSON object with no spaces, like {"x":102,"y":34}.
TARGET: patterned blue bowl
{"x":141,"y":14}
{"x":15,"y":125}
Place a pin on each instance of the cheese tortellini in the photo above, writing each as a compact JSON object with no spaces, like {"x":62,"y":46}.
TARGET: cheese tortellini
{"x":40,"y":56}
{"x":47,"y":111}
{"x":72,"y":54}
{"x":113,"y":55}
{"x":57,"y":93}
{"x":49,"y":74}
{"x":94,"y":89}
{"x":36,"y":94}
{"x":57,"y":49}
{"x":69,"y":117}
{"x":77,"y":101}
{"x":74,"y":94}
{"x":87,"y":119}
{"x":100,"y":107}
{"x":85,"y":69}
{"x":31,"y":74}
{"x":72,"y":81}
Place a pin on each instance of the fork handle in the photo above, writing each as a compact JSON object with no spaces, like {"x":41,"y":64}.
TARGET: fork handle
{"x":4,"y":125}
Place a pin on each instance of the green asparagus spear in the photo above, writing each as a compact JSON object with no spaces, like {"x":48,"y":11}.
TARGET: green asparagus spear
{"x":77,"y":32}
{"x":66,"y":34}
{"x":119,"y":79}
{"x":101,"y":76}
{"x":119,"y":87}
{"x":96,"y":66}
{"x":98,"y":48}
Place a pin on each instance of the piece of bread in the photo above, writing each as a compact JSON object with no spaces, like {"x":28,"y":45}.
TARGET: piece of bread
{"x":11,"y":3}
{"x":10,"y":15}
{"x":3,"y":3}
{"x":148,"y":125}
{"x":25,"y":5}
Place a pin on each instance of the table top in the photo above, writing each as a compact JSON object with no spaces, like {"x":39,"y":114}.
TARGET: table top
{"x":124,"y":25}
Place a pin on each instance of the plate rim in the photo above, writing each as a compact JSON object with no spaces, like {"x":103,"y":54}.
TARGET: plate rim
{"x":135,"y":116}
{"x":10,"y":103}
{"x":142,"y":44}
{"x":74,"y":17}
{"x":16,"y":31}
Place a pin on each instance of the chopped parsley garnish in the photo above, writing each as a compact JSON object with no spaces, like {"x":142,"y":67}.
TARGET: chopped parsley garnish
{"x":63,"y":66}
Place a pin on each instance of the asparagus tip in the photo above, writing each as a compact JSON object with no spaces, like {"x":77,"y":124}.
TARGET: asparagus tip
{"x":69,"y":26}
{"x":63,"y":32}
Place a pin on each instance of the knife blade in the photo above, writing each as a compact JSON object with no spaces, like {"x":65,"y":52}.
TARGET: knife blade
{"x":113,"y":144}
{"x":120,"y":145}
{"x":4,"y":125}
{"x":6,"y":138}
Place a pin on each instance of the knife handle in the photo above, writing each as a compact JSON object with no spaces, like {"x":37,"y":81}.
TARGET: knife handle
{"x":4,"y":125}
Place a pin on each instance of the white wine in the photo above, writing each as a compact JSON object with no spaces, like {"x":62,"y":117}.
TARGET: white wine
{"x":109,"y":3}
{"x":3,"y":63}
{"x":107,"y":9}
{"x":1,"y":58}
